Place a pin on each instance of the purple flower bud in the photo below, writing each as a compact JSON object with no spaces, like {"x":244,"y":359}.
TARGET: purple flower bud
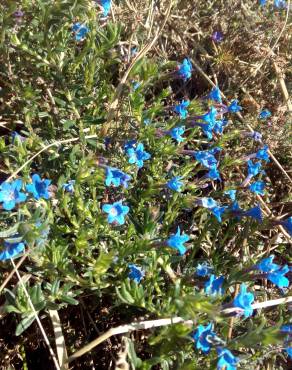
{"x":217,"y":36}
{"x":18,"y":14}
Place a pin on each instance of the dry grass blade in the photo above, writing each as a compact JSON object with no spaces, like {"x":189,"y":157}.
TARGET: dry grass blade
{"x":59,"y":339}
{"x":283,"y":87}
{"x":272,"y":48}
{"x":19,"y":263}
{"x":229,"y":336}
{"x":36,"y":317}
{"x":144,"y":325}
{"x":141,"y":54}
{"x":121,"y":363}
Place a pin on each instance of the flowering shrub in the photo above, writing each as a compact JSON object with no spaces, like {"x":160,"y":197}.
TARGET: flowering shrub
{"x":138,"y":200}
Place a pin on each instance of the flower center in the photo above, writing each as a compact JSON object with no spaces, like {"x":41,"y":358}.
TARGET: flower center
{"x":113,"y":211}
{"x":10,"y":195}
{"x":41,"y":187}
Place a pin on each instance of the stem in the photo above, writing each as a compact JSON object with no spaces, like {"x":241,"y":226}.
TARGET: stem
{"x":246,"y":181}
{"x":188,"y":152}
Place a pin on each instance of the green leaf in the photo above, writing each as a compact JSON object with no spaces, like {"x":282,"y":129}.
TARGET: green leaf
{"x":124,"y":295}
{"x":258,"y":334}
{"x":102,"y":264}
{"x":68,"y":299}
{"x":10,"y":296}
{"x":24,"y":324}
{"x":55,"y":287}
{"x":10,"y":308}
{"x":135,"y":360}
{"x":11,"y":231}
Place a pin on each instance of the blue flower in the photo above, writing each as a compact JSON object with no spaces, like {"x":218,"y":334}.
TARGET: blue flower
{"x":212,"y":205}
{"x":136,"y":85}
{"x":16,"y":137}
{"x":80,"y":31}
{"x":265,"y":114}
{"x":39,"y":188}
{"x":181,"y":109}
{"x":210,"y":117}
{"x":226,"y":359}
{"x":106,"y":4}
{"x":289,"y":351}
{"x":134,"y":51}
{"x":43,"y":230}
{"x":254,"y":212}
{"x":213,"y":174}
{"x":130,"y":144}
{"x":219,"y":125}
{"x":215,"y":150}
{"x":11,"y":250}
{"x":217,"y":36}
{"x":208,"y":202}
{"x":231,"y":193}
{"x":177,"y":241}
{"x":287,"y":224}
{"x":262,"y":2}
{"x":203,"y":269}
{"x":10,"y":194}
{"x":263,"y":154}
{"x":267,"y":265}
{"x":257,"y":136}
{"x":257,"y":187}
{"x":116,"y":177}
{"x":116,"y":212}
{"x":286,"y":329}
{"x":203,"y":337}
{"x":244,"y":300}
{"x":215,"y":95}
{"x":136,"y":273}
{"x":277,"y":277}
{"x":236,"y":209}
{"x":214,"y":285}
{"x":253,"y":168}
{"x":185,"y":69}
{"x":147,"y":121}
{"x":206,"y":158}
{"x":234,"y":107}
{"x":175,"y":184}
{"x":176,"y":133}
{"x":69,"y":187}
{"x":138,"y":155}
{"x":217,"y":212}
{"x":281,"y":4}
{"x":207,"y":129}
